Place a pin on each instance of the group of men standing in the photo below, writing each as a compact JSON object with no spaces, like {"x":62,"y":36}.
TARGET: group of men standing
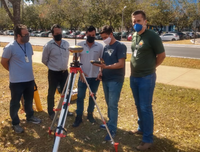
{"x":147,"y":54}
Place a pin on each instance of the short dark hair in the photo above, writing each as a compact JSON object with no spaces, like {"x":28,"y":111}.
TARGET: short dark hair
{"x":54,"y":26}
{"x":140,"y":12}
{"x":90,"y":29}
{"x":106,"y":29}
{"x":18,"y":28}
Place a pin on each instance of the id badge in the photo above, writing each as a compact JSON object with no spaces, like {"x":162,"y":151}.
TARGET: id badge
{"x":26,"y":59}
{"x":135,"y":53}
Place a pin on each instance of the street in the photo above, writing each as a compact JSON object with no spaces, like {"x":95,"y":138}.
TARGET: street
{"x":172,"y":50}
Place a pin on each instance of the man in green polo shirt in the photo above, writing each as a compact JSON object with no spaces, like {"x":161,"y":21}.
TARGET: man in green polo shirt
{"x":147,"y":54}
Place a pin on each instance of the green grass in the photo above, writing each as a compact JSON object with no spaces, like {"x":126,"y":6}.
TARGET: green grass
{"x":176,"y":117}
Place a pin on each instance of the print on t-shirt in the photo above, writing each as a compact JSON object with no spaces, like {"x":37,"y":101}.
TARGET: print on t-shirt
{"x":110,"y":51}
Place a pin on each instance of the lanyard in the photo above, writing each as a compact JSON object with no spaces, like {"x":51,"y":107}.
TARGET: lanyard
{"x":60,"y":46}
{"x":24,"y":50}
{"x":136,"y":46}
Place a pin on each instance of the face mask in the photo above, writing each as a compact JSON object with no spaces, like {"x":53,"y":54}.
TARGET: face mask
{"x":57,"y":37}
{"x":107,"y":40}
{"x":25,"y":38}
{"x":90,"y":39}
{"x":137,"y":27}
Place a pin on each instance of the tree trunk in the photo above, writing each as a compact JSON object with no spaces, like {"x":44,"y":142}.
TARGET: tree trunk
{"x":15,"y":17}
{"x":16,"y":11}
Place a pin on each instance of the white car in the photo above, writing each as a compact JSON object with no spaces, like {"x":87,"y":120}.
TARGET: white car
{"x":169,"y":37}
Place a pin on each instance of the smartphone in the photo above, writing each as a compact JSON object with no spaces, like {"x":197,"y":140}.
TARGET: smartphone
{"x":94,"y":61}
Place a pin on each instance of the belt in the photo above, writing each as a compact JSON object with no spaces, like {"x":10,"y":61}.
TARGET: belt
{"x":62,"y":71}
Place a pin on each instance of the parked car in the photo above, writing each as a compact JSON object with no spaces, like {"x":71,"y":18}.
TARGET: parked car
{"x":9,"y":32}
{"x":124,"y":35}
{"x":64,"y":33}
{"x":117,"y":35}
{"x":43,"y":34}
{"x":1,"y":33}
{"x":181,"y":35}
{"x":34,"y":33}
{"x":129,"y":38}
{"x":98,"y":36}
{"x":72,"y":35}
{"x":169,"y":37}
{"x":81,"y":35}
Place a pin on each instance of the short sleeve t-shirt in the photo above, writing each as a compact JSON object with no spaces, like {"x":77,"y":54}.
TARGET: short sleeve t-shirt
{"x":145,"y":48}
{"x":19,"y":69}
{"x":112,"y":53}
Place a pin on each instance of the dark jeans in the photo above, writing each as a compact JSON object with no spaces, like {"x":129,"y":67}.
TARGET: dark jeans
{"x":55,"y":78}
{"x":93,"y":83}
{"x":17,"y":90}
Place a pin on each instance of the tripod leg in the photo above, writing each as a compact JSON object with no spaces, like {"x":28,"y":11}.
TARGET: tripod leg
{"x":103,"y":120}
{"x":59,"y":106}
{"x":64,"y":110}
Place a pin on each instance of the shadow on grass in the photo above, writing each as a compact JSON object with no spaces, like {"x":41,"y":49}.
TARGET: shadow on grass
{"x":86,"y":137}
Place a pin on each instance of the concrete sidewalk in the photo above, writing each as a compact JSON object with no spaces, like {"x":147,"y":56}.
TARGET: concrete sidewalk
{"x":184,"y":77}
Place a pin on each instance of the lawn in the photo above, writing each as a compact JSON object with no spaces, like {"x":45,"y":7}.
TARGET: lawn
{"x":176,"y":116}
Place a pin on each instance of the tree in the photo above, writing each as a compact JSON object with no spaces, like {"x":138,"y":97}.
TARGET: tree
{"x":15,"y":17}
{"x":74,"y":12}
{"x":5,"y":22}
{"x":159,"y":13}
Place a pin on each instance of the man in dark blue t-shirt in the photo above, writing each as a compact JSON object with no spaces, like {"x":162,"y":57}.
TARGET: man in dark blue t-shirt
{"x":112,"y":75}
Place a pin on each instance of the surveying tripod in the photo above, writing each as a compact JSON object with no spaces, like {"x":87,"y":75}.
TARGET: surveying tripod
{"x":65,"y":101}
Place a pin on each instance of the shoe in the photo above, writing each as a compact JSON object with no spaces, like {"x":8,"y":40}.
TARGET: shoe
{"x":91,"y":118}
{"x":52,"y":116}
{"x":70,"y":114}
{"x":77,"y":121}
{"x":137,"y":132}
{"x":112,"y":133}
{"x":34,"y":120}
{"x":144,"y":146}
{"x":103,"y":126}
{"x":18,"y":129}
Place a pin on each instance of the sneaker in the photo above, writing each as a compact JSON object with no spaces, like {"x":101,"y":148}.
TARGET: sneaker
{"x":52,"y":116}
{"x":135,"y":132}
{"x":77,"y":121}
{"x":144,"y":146}
{"x":70,"y":114}
{"x":103,"y":126}
{"x":91,"y":118}
{"x":112,"y":133}
{"x":34,"y":120}
{"x":18,"y":128}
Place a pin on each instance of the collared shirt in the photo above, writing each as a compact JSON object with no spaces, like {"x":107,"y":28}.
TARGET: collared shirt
{"x":94,"y":52}
{"x":56,"y":57}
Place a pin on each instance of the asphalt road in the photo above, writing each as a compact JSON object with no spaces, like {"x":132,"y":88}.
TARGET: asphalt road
{"x":174,"y":50}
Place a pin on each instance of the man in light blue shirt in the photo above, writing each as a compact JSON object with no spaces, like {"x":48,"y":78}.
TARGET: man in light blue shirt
{"x":17,"y":59}
{"x":91,"y":51}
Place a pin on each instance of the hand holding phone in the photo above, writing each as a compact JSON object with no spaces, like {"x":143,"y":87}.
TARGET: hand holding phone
{"x":94,"y":61}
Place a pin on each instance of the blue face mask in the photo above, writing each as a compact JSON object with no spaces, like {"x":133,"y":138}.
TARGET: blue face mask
{"x":137,"y":27}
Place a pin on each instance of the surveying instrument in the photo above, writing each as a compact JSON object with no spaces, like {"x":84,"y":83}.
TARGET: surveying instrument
{"x":64,"y":102}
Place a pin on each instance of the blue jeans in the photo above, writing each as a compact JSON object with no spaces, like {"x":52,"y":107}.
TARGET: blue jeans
{"x":93,"y":83}
{"x":112,"y":92}
{"x":17,"y":90}
{"x":142,"y":88}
